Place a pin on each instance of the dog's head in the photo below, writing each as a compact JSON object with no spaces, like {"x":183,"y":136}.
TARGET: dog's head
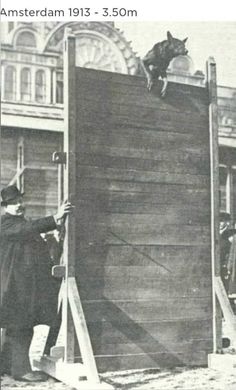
{"x":176,"y":46}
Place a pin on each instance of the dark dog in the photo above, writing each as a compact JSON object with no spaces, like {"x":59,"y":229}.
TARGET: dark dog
{"x":157,"y":60}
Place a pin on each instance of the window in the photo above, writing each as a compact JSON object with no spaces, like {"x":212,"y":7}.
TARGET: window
{"x":25,"y":85}
{"x":223,"y":181}
{"x":26,"y":39}
{"x":40,"y":86}
{"x":227,"y":157}
{"x":59,"y":87}
{"x":10,"y":83}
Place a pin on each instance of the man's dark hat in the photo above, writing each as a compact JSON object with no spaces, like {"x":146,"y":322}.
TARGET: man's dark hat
{"x":9,"y":193}
{"x":224,"y":217}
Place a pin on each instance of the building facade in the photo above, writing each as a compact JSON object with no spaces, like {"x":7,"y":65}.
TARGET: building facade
{"x":32,"y":103}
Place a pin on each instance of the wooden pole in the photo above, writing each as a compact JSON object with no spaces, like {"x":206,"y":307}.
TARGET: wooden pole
{"x":214,"y":154}
{"x":69,"y":186}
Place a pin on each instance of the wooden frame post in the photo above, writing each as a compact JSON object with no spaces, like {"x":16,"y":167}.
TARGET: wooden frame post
{"x":214,"y":155}
{"x":69,"y":186}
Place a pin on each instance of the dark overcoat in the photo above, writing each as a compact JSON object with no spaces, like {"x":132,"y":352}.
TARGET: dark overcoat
{"x":28,"y":290}
{"x":232,"y":266}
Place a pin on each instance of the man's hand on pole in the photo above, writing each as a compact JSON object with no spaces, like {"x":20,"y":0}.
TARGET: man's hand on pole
{"x":63,"y":210}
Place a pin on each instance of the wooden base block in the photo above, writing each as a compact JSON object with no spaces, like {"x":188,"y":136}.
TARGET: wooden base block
{"x":222,"y":362}
{"x":72,"y":374}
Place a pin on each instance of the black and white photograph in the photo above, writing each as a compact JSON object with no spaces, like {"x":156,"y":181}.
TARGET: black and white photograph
{"x":118,"y":201}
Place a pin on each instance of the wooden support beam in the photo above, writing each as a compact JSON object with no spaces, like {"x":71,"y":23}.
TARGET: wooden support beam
{"x":82,"y":331}
{"x":214,"y":158}
{"x":222,"y":362}
{"x":226,"y":308}
{"x":73,"y":375}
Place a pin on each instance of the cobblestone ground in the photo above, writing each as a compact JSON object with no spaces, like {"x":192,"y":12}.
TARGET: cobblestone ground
{"x":175,"y":379}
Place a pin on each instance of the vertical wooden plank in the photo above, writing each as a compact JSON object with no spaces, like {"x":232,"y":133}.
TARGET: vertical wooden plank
{"x":214,"y":158}
{"x":69,"y":184}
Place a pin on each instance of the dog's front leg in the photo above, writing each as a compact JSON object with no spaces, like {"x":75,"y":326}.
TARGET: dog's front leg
{"x":165,"y":83}
{"x":148,"y":75}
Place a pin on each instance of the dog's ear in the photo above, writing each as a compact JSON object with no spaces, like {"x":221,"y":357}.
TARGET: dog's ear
{"x":169,"y":36}
{"x":185,"y":40}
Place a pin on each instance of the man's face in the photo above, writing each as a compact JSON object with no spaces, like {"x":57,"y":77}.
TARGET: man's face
{"x":15,"y":207}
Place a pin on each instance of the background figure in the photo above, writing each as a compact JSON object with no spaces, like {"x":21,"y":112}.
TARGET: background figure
{"x":224,"y":248}
{"x":232,"y":271}
{"x":227,"y":253}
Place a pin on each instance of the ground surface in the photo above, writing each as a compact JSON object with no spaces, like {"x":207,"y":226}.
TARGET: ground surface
{"x":179,"y":378}
{"x":175,"y":379}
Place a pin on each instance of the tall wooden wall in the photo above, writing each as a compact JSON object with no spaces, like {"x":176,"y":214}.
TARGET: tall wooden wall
{"x":142,"y":224}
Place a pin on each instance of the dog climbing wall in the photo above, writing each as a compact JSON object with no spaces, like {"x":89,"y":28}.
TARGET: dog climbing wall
{"x":142,"y":225}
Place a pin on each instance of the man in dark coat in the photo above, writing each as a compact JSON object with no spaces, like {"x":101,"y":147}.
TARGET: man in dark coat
{"x":226,"y":234}
{"x":28,"y":291}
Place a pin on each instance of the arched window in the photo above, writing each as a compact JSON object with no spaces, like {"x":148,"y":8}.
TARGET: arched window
{"x":40,"y":86}
{"x":10,"y":83}
{"x":59,"y":87}
{"x":26,"y":39}
{"x":25,"y":85}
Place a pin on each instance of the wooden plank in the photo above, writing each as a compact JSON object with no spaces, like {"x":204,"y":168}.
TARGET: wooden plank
{"x":122,"y":187}
{"x":191,"y":166}
{"x":113,"y":80}
{"x":214,"y":155}
{"x":154,"y":146}
{"x":73,"y":375}
{"x":118,"y":328}
{"x":127,"y":288}
{"x":154,"y":348}
{"x":179,"y":128}
{"x":69,"y":188}
{"x":136,"y":115}
{"x":183,"y":149}
{"x":82,"y":332}
{"x":156,"y":268}
{"x":120,"y":97}
{"x":178,"y":101}
{"x":143,"y":234}
{"x":149,"y":112}
{"x":141,"y":176}
{"x":145,"y":360}
{"x":146,"y":256}
{"x":225,"y":305}
{"x":174,"y":309}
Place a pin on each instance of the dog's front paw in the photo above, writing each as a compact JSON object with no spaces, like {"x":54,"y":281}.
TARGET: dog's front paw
{"x":163,"y":92}
{"x":164,"y":88}
{"x":149,"y":84}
